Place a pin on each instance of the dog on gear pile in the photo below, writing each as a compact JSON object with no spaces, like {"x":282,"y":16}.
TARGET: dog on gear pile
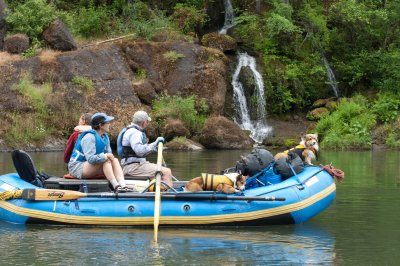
{"x":227,"y":183}
{"x":307,"y":149}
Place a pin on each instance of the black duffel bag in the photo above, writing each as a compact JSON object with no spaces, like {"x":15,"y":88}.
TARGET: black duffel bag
{"x":282,"y":165}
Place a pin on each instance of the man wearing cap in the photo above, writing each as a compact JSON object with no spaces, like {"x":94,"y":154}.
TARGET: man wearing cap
{"x":135,"y":149}
{"x":92,"y":155}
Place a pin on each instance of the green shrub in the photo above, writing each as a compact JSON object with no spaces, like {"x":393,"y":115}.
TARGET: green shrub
{"x":90,"y":21}
{"x":36,"y":93}
{"x":188,"y":18}
{"x":144,"y":21}
{"x":84,"y":83}
{"x":391,"y":141}
{"x":29,"y":128}
{"x":140,"y":74}
{"x":172,"y":56}
{"x":32,"y":17}
{"x":349,"y":126}
{"x":187,"y":109}
{"x":387,"y":107}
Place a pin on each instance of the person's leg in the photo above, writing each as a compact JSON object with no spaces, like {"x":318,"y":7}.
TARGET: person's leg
{"x":109,"y":173}
{"x":90,"y":170}
{"x":167,"y":176}
{"x":148,"y":169}
{"x":117,"y":171}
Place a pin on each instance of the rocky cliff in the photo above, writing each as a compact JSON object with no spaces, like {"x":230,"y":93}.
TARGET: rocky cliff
{"x":117,"y":78}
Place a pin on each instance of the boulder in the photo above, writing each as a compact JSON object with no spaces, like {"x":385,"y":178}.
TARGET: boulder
{"x":193,"y":74}
{"x":246,"y":77}
{"x":16,"y":44}
{"x":182,"y":143}
{"x":58,"y":36}
{"x":174,"y":128}
{"x":223,"y":42}
{"x":3,"y":28}
{"x":221,"y":133}
{"x":145,"y":91}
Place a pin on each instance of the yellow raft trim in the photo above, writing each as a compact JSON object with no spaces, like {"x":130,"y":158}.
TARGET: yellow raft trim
{"x":176,"y":220}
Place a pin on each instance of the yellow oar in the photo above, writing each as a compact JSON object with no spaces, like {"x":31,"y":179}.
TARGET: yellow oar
{"x":157,"y":199}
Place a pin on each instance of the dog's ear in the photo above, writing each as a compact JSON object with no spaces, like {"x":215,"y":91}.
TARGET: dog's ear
{"x":243,"y":159}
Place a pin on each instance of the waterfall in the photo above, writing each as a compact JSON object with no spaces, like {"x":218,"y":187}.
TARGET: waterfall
{"x":259,"y":129}
{"x":229,"y":15}
{"x":331,"y":76}
{"x":258,"y":6}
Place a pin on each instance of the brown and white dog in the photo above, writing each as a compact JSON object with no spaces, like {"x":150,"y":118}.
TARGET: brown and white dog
{"x":307,"y":149}
{"x":227,"y":183}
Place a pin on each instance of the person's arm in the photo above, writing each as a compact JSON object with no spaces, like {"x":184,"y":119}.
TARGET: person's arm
{"x":88,"y":143}
{"x":82,"y":128}
{"x":141,"y":149}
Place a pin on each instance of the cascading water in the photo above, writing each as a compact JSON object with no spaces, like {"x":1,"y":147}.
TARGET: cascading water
{"x":331,"y":76}
{"x":229,"y":15}
{"x":259,"y":128}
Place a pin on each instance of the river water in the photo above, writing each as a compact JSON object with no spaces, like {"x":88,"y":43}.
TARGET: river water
{"x":360,"y":228}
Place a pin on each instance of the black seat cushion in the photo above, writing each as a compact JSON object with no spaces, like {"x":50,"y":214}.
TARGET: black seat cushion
{"x":24,"y":165}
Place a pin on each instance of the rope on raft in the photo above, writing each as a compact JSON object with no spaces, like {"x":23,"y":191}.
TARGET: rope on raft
{"x":336,"y":173}
{"x":13,"y":194}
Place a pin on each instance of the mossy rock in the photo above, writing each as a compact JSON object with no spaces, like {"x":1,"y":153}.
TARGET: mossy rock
{"x":331,"y":105}
{"x":317,"y":113}
{"x":290,"y":142}
{"x":222,"y":42}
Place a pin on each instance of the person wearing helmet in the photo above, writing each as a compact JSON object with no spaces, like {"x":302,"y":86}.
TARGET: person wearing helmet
{"x":133,"y":147}
{"x":92,"y":155}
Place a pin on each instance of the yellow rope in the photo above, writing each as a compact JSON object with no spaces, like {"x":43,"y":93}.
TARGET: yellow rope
{"x":14,"y":194}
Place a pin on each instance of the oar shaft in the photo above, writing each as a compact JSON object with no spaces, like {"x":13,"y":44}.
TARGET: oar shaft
{"x":157,"y":198}
{"x":183,"y":196}
{"x":58,"y":194}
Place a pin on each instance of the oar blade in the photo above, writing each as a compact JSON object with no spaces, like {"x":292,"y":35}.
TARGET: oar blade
{"x":51,"y":194}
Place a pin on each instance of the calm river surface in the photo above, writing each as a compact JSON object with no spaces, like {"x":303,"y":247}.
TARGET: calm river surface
{"x":362,"y":226}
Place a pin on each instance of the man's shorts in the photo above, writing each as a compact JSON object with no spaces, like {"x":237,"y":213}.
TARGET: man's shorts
{"x":140,"y":169}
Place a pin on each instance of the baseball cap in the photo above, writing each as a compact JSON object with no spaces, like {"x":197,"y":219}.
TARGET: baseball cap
{"x":140,"y":116}
{"x":99,"y":118}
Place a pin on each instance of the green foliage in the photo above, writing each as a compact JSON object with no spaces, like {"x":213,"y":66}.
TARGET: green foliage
{"x":90,"y":21}
{"x":35,"y":93}
{"x":188,"y":18}
{"x":387,"y":107}
{"x":31,"y":52}
{"x":31,"y":17}
{"x":349,"y":126}
{"x":25,"y":130}
{"x":84,"y":83}
{"x":34,"y":127}
{"x":392,"y":142}
{"x":182,"y":108}
{"x":140,"y":74}
{"x":172,"y":56}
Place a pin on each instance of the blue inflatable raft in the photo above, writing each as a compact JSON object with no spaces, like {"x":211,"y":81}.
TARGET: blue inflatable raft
{"x":292,"y":201}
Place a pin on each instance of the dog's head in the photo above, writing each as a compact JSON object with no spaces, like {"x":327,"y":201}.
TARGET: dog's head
{"x":310,"y":141}
{"x":240,"y":182}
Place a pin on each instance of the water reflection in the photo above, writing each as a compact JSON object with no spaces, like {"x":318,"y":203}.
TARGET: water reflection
{"x":359,"y":228}
{"x":122,"y":246}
